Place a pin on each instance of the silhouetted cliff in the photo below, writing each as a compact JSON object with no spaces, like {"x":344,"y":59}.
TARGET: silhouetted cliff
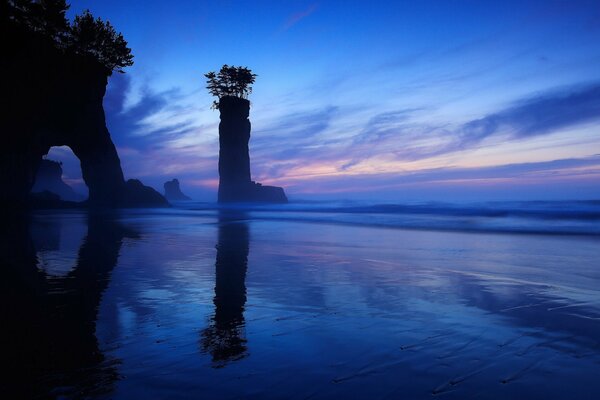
{"x":53,"y":97}
{"x":49,"y":178}
{"x":173,"y":191}
{"x":235,"y":184}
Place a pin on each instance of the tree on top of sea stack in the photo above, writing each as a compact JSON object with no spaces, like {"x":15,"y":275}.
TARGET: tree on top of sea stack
{"x":231,"y":86}
{"x":230,"y":81}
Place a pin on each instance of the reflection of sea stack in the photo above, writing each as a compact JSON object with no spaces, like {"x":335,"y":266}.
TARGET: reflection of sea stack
{"x":173,"y":191}
{"x":235,"y":183}
{"x":225,"y":337}
{"x":231,"y":85}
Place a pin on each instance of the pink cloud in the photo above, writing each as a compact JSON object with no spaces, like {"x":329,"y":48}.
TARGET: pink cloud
{"x":297,"y":17}
{"x":204,"y":183}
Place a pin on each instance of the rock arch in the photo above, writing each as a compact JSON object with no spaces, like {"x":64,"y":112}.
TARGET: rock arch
{"x":55,"y":99}
{"x":66,"y":111}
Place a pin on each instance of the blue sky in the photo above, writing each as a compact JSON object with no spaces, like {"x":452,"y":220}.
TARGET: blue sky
{"x":405,"y":100}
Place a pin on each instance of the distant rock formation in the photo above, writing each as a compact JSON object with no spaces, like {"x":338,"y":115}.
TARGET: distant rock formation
{"x":173,"y":191}
{"x":49,"y":178}
{"x":138,"y":195}
{"x":235,"y":184}
{"x":51,"y":97}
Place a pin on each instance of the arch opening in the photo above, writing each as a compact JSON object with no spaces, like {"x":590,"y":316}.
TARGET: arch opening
{"x":60,"y":173}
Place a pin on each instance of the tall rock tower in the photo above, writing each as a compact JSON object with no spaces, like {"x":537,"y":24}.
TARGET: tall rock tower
{"x":234,"y":154}
{"x":231,"y":86}
{"x":235,"y":183}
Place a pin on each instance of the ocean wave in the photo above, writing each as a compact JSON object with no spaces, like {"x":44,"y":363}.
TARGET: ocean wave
{"x":533,"y":217}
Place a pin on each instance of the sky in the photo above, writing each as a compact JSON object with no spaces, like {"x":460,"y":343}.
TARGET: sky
{"x":376,"y":100}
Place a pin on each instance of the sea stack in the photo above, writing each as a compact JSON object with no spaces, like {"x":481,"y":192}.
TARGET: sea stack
{"x":173,"y":191}
{"x":49,"y":178}
{"x":231,"y":86}
{"x":235,"y":183}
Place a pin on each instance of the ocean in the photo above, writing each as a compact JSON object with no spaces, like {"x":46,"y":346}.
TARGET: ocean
{"x":310,"y":300}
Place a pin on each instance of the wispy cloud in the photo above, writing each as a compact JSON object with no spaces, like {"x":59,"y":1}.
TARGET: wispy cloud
{"x":382,"y":126}
{"x":135,"y":123}
{"x":298,"y":16}
{"x":539,"y":115}
{"x":308,"y":146}
{"x":550,"y":175}
{"x":534,"y":116}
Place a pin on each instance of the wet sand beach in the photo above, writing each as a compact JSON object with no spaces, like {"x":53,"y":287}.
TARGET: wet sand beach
{"x":206,"y":303}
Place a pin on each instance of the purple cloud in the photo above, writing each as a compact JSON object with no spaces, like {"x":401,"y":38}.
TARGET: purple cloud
{"x":538,"y":115}
{"x":298,"y":16}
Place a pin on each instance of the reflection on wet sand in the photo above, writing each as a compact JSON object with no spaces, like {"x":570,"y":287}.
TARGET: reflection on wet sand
{"x":225,"y":338}
{"x":50,"y":321}
{"x":358,"y":312}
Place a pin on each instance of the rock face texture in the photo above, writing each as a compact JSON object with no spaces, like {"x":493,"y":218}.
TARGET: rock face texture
{"x":53,"y":98}
{"x":173,"y":191}
{"x":49,"y":178}
{"x":235,"y":184}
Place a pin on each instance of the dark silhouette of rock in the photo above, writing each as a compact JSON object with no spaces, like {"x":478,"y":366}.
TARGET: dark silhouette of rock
{"x":235,"y":184}
{"x":138,"y":195}
{"x":48,"y":201}
{"x":50,"y":327}
{"x":53,"y":97}
{"x":49,"y":178}
{"x":225,"y":338}
{"x":173,"y":191}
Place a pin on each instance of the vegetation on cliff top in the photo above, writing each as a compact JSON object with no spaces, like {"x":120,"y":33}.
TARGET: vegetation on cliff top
{"x":230,"y":81}
{"x":86,"y":35}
